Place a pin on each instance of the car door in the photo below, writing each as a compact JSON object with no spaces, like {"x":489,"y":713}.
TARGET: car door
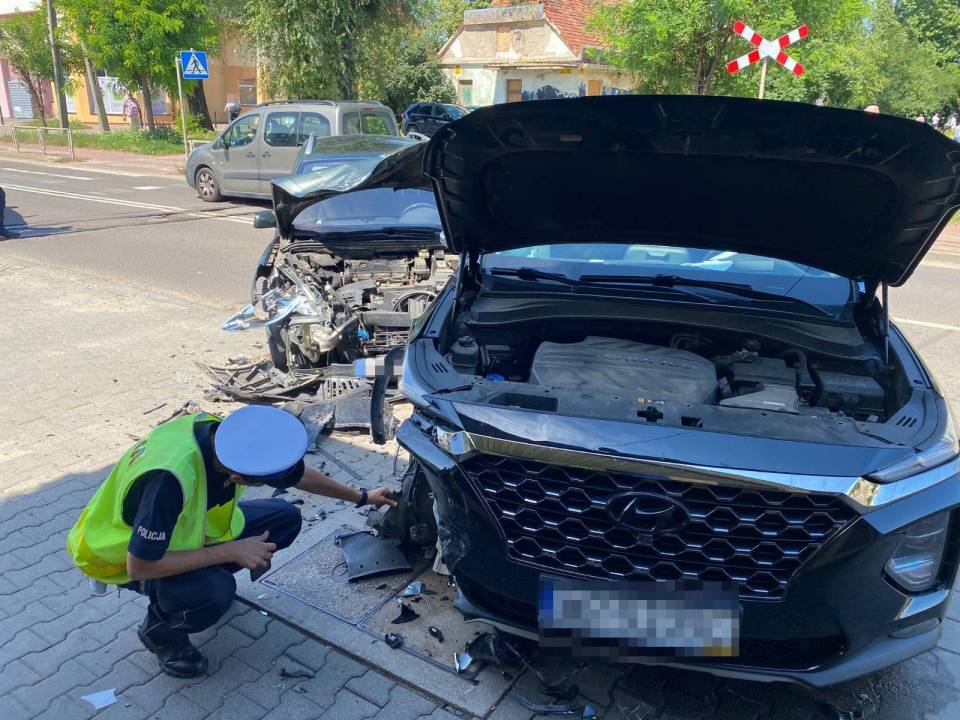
{"x":235,"y":155}
{"x":439,"y":117}
{"x":279,"y":146}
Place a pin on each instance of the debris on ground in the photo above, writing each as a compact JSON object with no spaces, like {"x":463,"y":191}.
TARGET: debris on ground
{"x":367,"y":555}
{"x":406,"y":615}
{"x":296,"y":674}
{"x":101,"y":699}
{"x":393,"y":640}
{"x":435,"y":632}
{"x":413,"y":589}
{"x":154,"y":408}
{"x":560,"y":707}
{"x":259,"y":381}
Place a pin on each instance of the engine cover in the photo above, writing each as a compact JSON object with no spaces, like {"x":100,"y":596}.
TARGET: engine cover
{"x":650,"y":372}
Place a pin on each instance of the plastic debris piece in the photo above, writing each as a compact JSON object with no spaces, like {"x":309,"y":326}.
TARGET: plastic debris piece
{"x":300,"y":689}
{"x":382,"y":586}
{"x":435,"y":632}
{"x":101,"y":699}
{"x":413,"y":589}
{"x":264,"y":613}
{"x":461,"y":661}
{"x":564,"y":708}
{"x":393,"y":640}
{"x":589,"y":712}
{"x":301,"y":674}
{"x":407,"y":614}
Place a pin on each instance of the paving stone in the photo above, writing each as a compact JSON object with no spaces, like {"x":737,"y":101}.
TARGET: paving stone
{"x":48,"y":661}
{"x":294,"y":706}
{"x":104,"y":657}
{"x":405,"y":704}
{"x":251,"y":622}
{"x":10,"y":709}
{"x":348,"y":706}
{"x":36,"y":592}
{"x":120,"y":677}
{"x":269,"y":688}
{"x":264,"y":651}
{"x":31,"y":573}
{"x":15,"y":675}
{"x":373,"y":686}
{"x":25,"y":641}
{"x":950,"y":639}
{"x":153,"y":694}
{"x":212,"y":692}
{"x":311,"y":654}
{"x":226,"y":642}
{"x":510,"y":708}
{"x":58,"y":628}
{"x":67,"y":707}
{"x":237,"y":707}
{"x":38,"y":697}
{"x":178,"y":707}
{"x":121,"y":710}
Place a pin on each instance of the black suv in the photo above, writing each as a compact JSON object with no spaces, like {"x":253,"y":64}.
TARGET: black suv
{"x":427,"y":118}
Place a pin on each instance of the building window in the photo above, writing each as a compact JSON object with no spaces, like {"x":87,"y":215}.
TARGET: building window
{"x":248,"y":91}
{"x":503,"y":38}
{"x":113,"y":94}
{"x":514,"y":90}
{"x":465,"y":92}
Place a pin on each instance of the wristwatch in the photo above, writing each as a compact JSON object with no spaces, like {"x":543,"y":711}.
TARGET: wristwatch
{"x":363,"y":497}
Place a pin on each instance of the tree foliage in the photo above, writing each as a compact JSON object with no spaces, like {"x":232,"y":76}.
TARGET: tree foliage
{"x":24,"y":42}
{"x":859,"y":52}
{"x":311,"y":48}
{"x":137,"y":40}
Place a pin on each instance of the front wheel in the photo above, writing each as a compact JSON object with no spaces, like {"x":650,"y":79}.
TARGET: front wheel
{"x":207,"y":186}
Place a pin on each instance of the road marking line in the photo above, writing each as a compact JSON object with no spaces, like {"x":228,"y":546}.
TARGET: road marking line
{"x":147,"y":187}
{"x":924,"y":323}
{"x":243,"y":220}
{"x":40,"y":172}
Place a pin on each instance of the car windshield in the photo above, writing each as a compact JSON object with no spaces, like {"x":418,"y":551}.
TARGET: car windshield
{"x":371,"y":210}
{"x":681,"y":267}
{"x":455,"y":111}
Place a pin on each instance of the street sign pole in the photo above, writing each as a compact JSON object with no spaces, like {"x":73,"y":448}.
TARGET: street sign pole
{"x":183,"y":114}
{"x":763,"y":78}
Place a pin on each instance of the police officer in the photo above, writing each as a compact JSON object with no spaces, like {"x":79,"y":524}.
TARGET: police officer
{"x":168,"y":521}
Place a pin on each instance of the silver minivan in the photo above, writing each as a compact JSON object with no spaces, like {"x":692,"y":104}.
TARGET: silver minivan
{"x":262,"y":144}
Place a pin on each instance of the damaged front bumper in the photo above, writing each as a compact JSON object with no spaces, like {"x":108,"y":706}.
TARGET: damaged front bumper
{"x":816,"y":608}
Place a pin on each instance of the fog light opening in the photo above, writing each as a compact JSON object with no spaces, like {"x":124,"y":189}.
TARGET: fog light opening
{"x":915,"y":564}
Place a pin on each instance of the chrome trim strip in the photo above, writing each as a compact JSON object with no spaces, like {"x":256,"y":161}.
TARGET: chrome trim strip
{"x":862,"y":493}
{"x":916,"y":604}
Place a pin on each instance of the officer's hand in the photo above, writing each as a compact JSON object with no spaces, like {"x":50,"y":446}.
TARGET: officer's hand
{"x":253,"y":552}
{"x":378,"y":497}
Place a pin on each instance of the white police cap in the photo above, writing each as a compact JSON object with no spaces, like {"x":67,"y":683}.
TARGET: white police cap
{"x":260,"y":442}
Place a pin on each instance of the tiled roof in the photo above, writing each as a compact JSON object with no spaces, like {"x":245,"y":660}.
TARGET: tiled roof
{"x":570,"y":18}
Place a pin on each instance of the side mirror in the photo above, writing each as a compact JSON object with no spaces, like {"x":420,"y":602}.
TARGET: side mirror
{"x":265,"y":219}
{"x":218,"y":143}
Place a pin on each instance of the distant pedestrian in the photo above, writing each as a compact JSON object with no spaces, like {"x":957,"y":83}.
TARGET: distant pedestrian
{"x":935,"y":121}
{"x":131,"y":111}
{"x":950,"y":126}
{"x":4,"y":233}
{"x":921,"y":119}
{"x":872,"y":109}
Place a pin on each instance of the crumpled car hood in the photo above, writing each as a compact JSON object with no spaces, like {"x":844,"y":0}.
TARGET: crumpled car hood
{"x":860,"y":195}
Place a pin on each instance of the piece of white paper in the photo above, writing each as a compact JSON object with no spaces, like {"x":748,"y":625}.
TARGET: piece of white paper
{"x":101,"y":699}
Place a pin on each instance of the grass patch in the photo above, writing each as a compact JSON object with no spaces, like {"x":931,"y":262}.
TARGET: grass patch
{"x":162,"y":141}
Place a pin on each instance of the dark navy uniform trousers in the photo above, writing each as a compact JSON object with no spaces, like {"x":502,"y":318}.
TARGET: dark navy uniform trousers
{"x":193,"y":601}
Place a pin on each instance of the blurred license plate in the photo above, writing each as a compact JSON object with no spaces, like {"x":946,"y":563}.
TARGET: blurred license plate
{"x":620,"y":620}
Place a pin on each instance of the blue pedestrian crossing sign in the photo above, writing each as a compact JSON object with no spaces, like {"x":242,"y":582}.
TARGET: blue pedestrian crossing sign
{"x":193,"y":64}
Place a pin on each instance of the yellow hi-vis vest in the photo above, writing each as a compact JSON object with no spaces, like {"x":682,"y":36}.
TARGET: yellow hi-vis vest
{"x":98,"y":541}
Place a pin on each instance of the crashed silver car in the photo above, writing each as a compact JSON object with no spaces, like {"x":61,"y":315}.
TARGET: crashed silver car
{"x":345,"y":275}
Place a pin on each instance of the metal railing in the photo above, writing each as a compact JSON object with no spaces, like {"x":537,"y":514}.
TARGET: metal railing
{"x":41,"y":135}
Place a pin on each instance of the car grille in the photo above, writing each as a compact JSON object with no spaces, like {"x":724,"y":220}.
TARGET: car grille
{"x":556,"y":519}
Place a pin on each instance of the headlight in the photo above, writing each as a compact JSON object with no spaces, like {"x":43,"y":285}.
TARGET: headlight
{"x":942,"y":451}
{"x":915,"y":565}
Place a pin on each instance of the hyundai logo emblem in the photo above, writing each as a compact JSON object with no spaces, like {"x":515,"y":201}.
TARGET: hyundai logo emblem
{"x":648,"y":514}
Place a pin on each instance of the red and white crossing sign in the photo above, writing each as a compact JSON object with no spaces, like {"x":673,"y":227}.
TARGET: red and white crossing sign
{"x":767,"y":49}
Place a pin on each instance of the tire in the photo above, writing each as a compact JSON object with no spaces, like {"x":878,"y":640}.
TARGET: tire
{"x":277,"y":345}
{"x":207,"y":186}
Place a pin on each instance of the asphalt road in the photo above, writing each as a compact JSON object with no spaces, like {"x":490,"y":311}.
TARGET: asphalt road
{"x":147,"y":230}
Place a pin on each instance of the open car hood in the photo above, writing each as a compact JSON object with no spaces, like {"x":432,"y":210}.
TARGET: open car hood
{"x":860,"y":195}
{"x":399,"y":170}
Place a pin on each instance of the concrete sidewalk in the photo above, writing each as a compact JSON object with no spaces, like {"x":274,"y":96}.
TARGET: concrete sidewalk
{"x":118,"y":163}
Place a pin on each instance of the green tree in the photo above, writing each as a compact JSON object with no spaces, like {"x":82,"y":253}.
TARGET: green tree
{"x":311,"y":48}
{"x":936,"y":22}
{"x":24,"y":42}
{"x":137,"y":40}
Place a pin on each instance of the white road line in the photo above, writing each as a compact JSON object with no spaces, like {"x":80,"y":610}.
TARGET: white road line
{"x":243,"y":220}
{"x":924,"y":323}
{"x":40,"y":172}
{"x":147,"y":187}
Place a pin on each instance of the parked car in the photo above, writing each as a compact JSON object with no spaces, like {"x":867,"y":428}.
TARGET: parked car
{"x":263,"y":143}
{"x":427,"y":118}
{"x":665,"y":372}
{"x":344,"y":276}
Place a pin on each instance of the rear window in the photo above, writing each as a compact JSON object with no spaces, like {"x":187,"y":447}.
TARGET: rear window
{"x":369,"y":122}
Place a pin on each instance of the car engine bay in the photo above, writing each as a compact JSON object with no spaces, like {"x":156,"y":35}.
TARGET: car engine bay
{"x":669,"y":374}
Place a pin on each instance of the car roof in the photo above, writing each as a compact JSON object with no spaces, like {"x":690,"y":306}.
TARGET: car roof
{"x":348,"y":104}
{"x":338,"y":145}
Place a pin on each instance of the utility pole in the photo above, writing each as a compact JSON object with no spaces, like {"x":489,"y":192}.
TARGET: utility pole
{"x":57,"y":66}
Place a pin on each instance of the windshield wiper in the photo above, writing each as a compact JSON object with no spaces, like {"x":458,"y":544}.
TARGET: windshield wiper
{"x":529,"y":273}
{"x":672,"y":281}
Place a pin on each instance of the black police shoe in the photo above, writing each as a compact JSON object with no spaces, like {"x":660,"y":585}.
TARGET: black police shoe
{"x":182,"y":660}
